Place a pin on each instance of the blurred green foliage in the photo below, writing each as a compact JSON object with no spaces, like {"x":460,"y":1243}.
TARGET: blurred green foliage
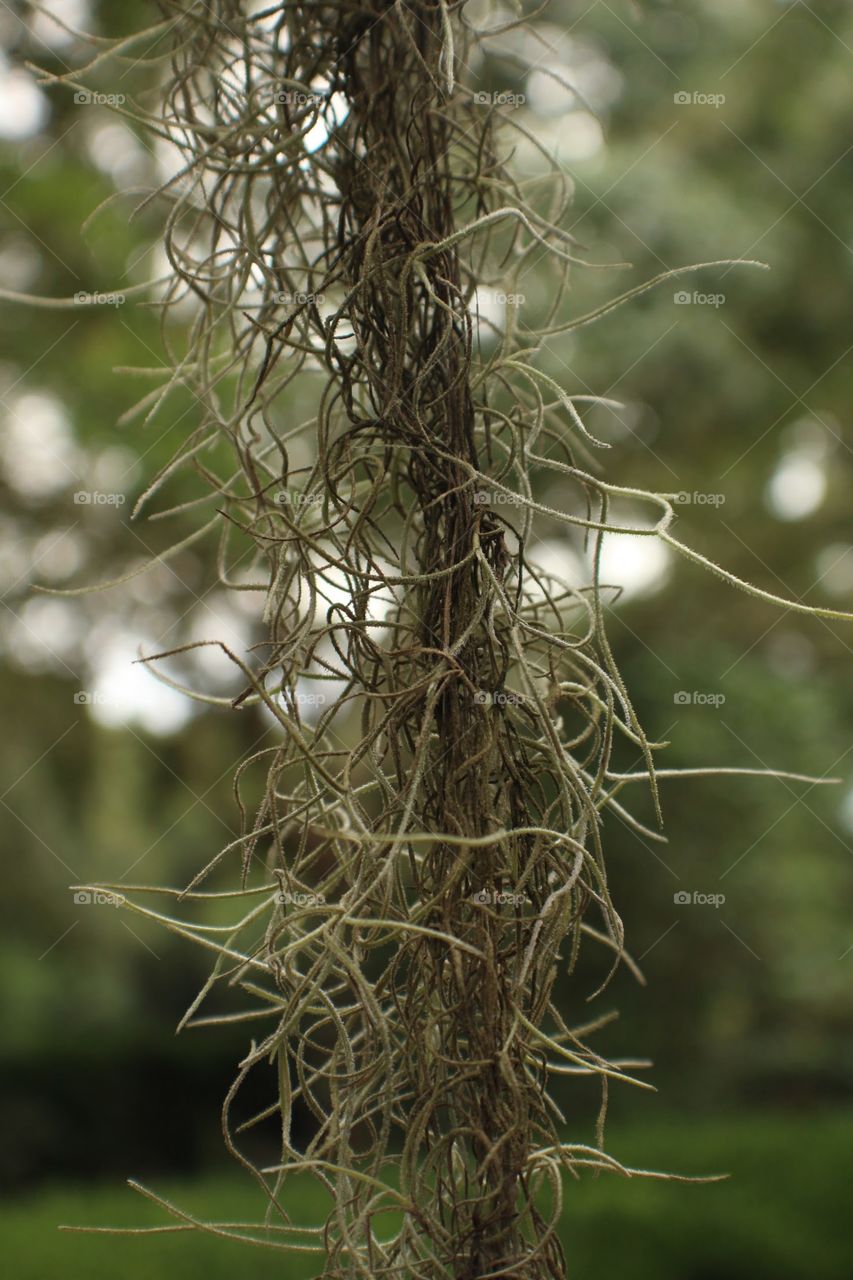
{"x":777,"y":1218}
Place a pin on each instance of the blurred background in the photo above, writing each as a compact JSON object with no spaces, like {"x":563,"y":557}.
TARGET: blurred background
{"x":697,"y":131}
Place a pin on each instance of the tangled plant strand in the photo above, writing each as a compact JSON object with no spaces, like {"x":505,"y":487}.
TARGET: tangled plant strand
{"x":427,"y":859}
